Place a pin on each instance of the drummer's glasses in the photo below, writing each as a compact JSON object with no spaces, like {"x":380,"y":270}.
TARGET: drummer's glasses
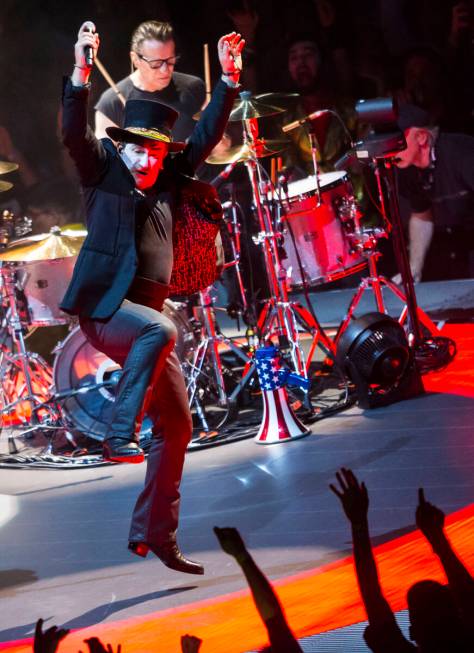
{"x":170,"y":62}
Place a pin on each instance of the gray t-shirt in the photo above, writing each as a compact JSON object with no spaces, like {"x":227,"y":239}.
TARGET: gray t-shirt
{"x":185,"y":93}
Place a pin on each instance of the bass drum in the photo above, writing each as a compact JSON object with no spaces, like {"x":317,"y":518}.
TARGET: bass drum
{"x":87,"y":379}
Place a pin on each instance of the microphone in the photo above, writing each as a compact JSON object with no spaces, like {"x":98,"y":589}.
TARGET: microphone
{"x":222,"y":176}
{"x":311,"y":116}
{"x":89,"y":51}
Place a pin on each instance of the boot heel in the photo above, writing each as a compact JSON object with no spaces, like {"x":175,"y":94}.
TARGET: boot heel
{"x":138,"y":548}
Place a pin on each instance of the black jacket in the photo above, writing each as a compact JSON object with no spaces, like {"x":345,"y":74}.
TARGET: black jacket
{"x":107,"y":262}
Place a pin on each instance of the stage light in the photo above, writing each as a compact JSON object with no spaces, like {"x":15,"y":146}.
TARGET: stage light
{"x":377,"y":111}
{"x":375,"y":354}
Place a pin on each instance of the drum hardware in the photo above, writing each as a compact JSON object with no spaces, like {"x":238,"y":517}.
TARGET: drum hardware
{"x":411,"y":312}
{"x":33,"y":275}
{"x":26,"y":377}
{"x":238,"y":153}
{"x":319,"y":237}
{"x":45,"y":247}
{"x":12,"y":228}
{"x":199,"y":377}
{"x":5,"y":185}
{"x":279,"y":317}
{"x":231,"y":210}
{"x":7,"y":166}
{"x":249,"y":107}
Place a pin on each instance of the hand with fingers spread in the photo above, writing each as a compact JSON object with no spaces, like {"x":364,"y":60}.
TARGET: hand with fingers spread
{"x":429,"y":518}
{"x":353,"y":496}
{"x":229,"y":49}
{"x":48,"y":641}
{"x":190,"y":644}
{"x":96,"y":646}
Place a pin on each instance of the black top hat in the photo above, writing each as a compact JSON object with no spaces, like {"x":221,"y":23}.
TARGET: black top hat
{"x":410,"y":115}
{"x":147,"y":120}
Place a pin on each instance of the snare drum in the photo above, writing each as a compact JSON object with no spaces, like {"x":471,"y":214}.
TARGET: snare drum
{"x":316,"y":234}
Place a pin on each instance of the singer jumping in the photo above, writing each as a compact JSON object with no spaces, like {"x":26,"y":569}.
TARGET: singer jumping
{"x":122,"y":273}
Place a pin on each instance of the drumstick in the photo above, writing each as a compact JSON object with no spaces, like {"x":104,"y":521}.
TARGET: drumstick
{"x":109,"y":80}
{"x":207,"y":74}
{"x":273,"y":171}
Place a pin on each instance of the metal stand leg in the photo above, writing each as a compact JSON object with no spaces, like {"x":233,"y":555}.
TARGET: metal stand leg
{"x":198,"y":378}
{"x":376,"y":283}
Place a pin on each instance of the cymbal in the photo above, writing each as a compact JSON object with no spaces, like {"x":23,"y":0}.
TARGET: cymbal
{"x":45,"y":247}
{"x":7,"y":166}
{"x":5,"y":185}
{"x":249,"y":107}
{"x":277,"y":97}
{"x":244,"y":152}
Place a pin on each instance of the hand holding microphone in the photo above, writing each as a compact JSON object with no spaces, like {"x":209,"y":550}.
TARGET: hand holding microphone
{"x":85,"y":51}
{"x":86,"y":46}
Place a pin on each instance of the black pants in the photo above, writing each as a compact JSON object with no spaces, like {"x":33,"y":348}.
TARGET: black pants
{"x":451,"y":254}
{"x":141,"y":340}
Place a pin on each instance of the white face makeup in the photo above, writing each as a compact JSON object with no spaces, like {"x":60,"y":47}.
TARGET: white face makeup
{"x":144,"y":161}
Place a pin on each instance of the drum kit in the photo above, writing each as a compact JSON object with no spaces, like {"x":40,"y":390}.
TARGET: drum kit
{"x":311,"y":232}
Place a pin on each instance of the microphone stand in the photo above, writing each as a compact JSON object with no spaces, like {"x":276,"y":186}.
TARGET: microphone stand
{"x":314,"y":157}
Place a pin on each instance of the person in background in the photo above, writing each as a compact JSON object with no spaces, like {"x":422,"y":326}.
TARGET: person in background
{"x":436,"y":177}
{"x":153,"y":57}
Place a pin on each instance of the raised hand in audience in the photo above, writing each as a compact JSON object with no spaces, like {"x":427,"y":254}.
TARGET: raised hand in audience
{"x":281,"y":638}
{"x":48,"y":641}
{"x":190,"y":644}
{"x":96,"y":646}
{"x":353,"y":496}
{"x":430,"y":521}
{"x":383,"y":633}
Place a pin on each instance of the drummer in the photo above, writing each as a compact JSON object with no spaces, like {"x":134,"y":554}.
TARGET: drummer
{"x":153,"y":58}
{"x":309,"y":78}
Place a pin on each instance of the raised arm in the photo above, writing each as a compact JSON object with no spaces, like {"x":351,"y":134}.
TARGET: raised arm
{"x":101,"y":124}
{"x":87,"y":152}
{"x":355,"y":503}
{"x":430,"y":521}
{"x":210,"y":128}
{"x":268,"y":605}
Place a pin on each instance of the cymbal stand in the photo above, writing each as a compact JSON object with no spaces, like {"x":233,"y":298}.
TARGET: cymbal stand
{"x":279,"y":316}
{"x":233,"y":227}
{"x":208,"y":351}
{"x":26,"y":377}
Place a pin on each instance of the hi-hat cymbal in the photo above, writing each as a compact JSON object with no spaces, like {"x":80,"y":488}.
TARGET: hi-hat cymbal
{"x":249,"y":107}
{"x":245,"y":152}
{"x":45,"y":247}
{"x":5,"y":185}
{"x":7,"y":166}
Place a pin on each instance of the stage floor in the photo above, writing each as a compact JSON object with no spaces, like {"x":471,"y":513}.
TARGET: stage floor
{"x":63,"y":533}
